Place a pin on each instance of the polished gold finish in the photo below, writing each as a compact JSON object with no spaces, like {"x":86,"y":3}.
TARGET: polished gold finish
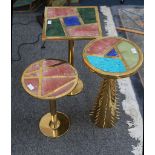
{"x":46,"y":97}
{"x":71,"y":52}
{"x":79,"y":87}
{"x":111,"y":75}
{"x":105,"y":111}
{"x":54,"y":124}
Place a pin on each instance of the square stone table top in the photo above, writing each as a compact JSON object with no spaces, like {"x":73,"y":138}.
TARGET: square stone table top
{"x":71,"y":23}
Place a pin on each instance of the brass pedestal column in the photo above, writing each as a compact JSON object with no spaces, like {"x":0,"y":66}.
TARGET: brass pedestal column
{"x":79,"y":86}
{"x":54,"y":124}
{"x":105,"y":111}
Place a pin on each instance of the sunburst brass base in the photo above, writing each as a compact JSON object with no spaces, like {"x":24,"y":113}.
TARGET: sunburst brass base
{"x":61,"y":129}
{"x":77,"y":89}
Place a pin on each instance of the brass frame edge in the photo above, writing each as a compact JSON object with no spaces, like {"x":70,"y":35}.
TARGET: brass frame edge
{"x":47,"y":98}
{"x":114,"y":75}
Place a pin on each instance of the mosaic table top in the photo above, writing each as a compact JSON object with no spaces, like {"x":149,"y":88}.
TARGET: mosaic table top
{"x":64,"y":23}
{"x":113,"y":57}
{"x":49,"y":79}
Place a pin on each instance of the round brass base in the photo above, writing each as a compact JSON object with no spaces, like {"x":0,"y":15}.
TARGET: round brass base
{"x":77,"y":89}
{"x":45,"y":128}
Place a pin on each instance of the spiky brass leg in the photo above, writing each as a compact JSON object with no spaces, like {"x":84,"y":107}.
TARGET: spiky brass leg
{"x":105,"y":111}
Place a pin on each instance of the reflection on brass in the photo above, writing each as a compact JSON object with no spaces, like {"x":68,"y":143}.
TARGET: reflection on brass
{"x":105,"y":111}
{"x":71,"y":52}
{"x":54,"y":124}
{"x":79,"y":87}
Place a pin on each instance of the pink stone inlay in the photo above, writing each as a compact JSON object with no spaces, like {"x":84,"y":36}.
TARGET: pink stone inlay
{"x":84,"y":30}
{"x":99,"y":47}
{"x":52,"y":75}
{"x":34,"y":74}
{"x":58,"y":12}
{"x":49,"y":85}
{"x":60,"y":70}
{"x":64,"y":89}
{"x":48,"y":63}
{"x":32,"y":85}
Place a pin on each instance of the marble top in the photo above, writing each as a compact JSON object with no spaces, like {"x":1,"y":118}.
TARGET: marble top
{"x":113,"y":57}
{"x":80,"y":22}
{"x":49,"y":79}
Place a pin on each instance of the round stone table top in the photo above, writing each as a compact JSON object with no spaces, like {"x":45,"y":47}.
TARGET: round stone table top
{"x":49,"y":79}
{"x":113,"y":57}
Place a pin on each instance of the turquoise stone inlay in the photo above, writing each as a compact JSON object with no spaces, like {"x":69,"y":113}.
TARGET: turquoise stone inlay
{"x":107,"y":64}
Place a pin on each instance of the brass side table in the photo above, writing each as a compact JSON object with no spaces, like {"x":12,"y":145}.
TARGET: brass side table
{"x":50,"y":79}
{"x":111,"y":58}
{"x":71,"y":23}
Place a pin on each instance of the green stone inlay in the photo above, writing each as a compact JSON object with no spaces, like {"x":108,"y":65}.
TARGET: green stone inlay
{"x":19,"y":3}
{"x":55,"y":28}
{"x":60,"y":2}
{"x":88,"y":15}
{"x":129,"y":53}
{"x":57,"y":2}
{"x":74,"y":1}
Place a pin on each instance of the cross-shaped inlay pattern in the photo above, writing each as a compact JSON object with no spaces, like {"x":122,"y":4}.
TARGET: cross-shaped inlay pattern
{"x":49,"y":79}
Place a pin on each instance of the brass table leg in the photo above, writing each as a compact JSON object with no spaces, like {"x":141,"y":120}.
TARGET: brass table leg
{"x":79,"y":86}
{"x":68,"y":2}
{"x":105,"y":111}
{"x":54,"y":124}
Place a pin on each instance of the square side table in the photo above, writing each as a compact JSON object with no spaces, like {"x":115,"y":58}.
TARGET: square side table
{"x":71,"y":23}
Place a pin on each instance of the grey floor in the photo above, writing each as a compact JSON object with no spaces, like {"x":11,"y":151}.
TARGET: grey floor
{"x":83,"y":137}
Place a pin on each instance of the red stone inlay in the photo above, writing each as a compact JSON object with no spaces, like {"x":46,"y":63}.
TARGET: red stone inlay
{"x":61,"y":70}
{"x":66,"y":88}
{"x":49,"y":85}
{"x":47,"y":77}
{"x":101,"y":46}
{"x":90,"y":30}
{"x":32,"y":85}
{"x":33,"y":74}
{"x":58,"y":12}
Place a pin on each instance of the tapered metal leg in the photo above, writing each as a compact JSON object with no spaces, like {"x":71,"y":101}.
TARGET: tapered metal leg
{"x":105,"y":111}
{"x":71,"y":52}
{"x":54,"y":124}
{"x":79,"y":86}
{"x":43,"y":45}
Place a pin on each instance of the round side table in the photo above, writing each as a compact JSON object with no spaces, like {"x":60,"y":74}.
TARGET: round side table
{"x":111,"y":58}
{"x":50,"y":79}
